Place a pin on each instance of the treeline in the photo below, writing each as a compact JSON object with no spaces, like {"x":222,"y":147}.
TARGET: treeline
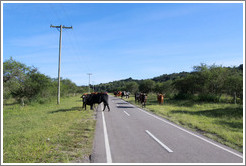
{"x":205,"y":83}
{"x":26,"y":84}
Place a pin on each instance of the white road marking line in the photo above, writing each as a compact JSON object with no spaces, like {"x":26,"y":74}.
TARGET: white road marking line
{"x":157,"y":140}
{"x":193,"y":134}
{"x":107,"y":147}
{"x":127,"y":113}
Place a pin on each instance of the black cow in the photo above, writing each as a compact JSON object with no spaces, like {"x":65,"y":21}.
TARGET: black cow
{"x":86,"y":99}
{"x":143,"y":99}
{"x":126,"y":94}
{"x":123,"y":93}
{"x":137,"y":97}
{"x":95,"y":98}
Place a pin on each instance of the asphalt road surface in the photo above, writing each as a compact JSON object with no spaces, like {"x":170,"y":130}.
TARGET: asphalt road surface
{"x":128,"y":134}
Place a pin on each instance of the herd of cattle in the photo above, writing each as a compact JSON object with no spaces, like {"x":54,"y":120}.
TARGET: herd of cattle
{"x":97,"y":98}
{"x":122,"y":94}
{"x":139,"y":97}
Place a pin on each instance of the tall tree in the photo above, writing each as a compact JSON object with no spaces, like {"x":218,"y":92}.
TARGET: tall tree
{"x":146,"y":86}
{"x":131,"y":87}
{"x":14,"y":76}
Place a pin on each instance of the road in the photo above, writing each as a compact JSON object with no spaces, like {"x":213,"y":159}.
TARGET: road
{"x":128,"y":134}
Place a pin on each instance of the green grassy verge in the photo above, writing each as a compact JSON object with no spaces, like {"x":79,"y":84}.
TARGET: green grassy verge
{"x":221,"y":122}
{"x":47,"y":133}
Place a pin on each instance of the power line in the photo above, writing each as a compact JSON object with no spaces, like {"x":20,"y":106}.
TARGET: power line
{"x":75,"y":42}
{"x":59,"y":62}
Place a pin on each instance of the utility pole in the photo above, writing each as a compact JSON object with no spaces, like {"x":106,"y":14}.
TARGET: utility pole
{"x":93,"y":85}
{"x":89,"y":82}
{"x":59,"y":62}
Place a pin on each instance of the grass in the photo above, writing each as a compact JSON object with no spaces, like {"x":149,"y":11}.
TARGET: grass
{"x":221,"y":122}
{"x":47,"y":133}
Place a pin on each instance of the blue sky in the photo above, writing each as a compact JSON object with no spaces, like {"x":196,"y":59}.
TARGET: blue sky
{"x":115,"y":41}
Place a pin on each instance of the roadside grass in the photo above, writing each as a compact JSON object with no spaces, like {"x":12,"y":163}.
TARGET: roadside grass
{"x":218,"y":121}
{"x":47,"y":133}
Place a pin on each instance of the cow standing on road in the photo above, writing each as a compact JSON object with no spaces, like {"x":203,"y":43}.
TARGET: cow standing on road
{"x":95,"y":98}
{"x":117,"y":93}
{"x":123,"y":94}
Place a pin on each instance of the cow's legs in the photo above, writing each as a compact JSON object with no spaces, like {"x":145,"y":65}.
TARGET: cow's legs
{"x":84,"y":106}
{"x":91,"y":106}
{"x":143,"y":104}
{"x":106,"y":104}
{"x":108,"y":107}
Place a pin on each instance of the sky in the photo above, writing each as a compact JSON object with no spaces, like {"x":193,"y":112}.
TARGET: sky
{"x":115,"y":41}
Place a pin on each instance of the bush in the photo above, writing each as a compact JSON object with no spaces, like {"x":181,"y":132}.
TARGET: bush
{"x":184,"y":96}
{"x":28,"y":85}
{"x":226,"y":99}
{"x":208,"y":97}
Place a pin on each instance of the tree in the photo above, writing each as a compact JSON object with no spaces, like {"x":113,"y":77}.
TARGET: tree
{"x":67,"y":87}
{"x":14,"y":76}
{"x":186,"y":85}
{"x":167,"y":88}
{"x":234,"y":86}
{"x":158,"y":88}
{"x":131,"y":87}
{"x":14,"y":71}
{"x":147,"y":86}
{"x":37,"y":87}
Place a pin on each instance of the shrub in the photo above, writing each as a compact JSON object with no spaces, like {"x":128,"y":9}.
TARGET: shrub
{"x":184,"y":96}
{"x":208,"y":97}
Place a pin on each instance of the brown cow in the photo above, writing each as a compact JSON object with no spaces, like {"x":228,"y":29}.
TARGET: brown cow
{"x":160,"y":98}
{"x":119,"y":93}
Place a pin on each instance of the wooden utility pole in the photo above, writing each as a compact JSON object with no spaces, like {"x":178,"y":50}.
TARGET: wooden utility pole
{"x":59,"y":62}
{"x":89,"y":82}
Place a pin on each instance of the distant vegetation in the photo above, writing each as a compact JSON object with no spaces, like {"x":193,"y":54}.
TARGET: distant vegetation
{"x":26,"y":84}
{"x":205,"y":83}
